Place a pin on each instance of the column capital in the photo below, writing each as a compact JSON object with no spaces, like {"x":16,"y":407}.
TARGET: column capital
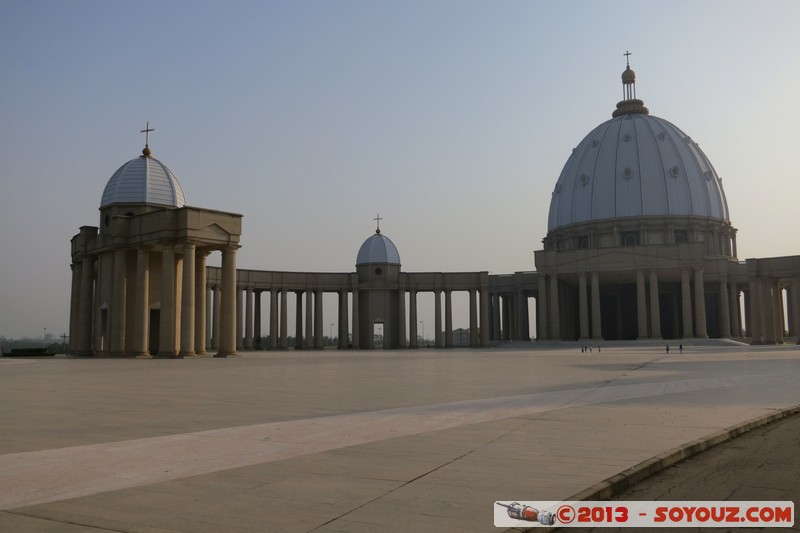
{"x":203,"y":251}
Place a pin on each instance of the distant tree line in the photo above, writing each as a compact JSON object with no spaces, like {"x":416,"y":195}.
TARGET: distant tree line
{"x":52,"y":344}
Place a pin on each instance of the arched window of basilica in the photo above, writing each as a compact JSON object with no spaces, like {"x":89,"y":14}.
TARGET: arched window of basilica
{"x":630,"y":238}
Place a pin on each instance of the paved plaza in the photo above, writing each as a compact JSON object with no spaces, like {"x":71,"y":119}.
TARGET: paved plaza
{"x":353,"y":441}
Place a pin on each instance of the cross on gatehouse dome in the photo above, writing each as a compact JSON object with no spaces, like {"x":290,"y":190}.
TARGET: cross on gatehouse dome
{"x":378,"y":249}
{"x":144,"y":180}
{"x":147,"y":129}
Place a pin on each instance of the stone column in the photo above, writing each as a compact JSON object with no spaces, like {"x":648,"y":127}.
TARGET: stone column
{"x":754,"y":313}
{"x":239,"y":322}
{"x":188,"y":295}
{"x":542,"y":311}
{"x":273,"y":319}
{"x":641,"y":305}
{"x":583,"y":307}
{"x":228,"y":330}
{"x":74,"y":308}
{"x":166,"y":342}
{"x":356,"y":333}
{"x":597,"y":324}
{"x":200,"y":304}
{"x":777,"y":310}
{"x":700,"y":304}
{"x":412,"y":319}
{"x":473,"y":319}
{"x":767,"y":310}
{"x":555,"y":315}
{"x":85,"y":306}
{"x":257,"y":320}
{"x":208,"y":325}
{"x":298,"y":321}
{"x":117,"y":341}
{"x":437,"y":319}
{"x":521,"y":314}
{"x":686,"y":304}
{"x":484,"y":326}
{"x":789,"y":311}
{"x":309,"y":339}
{"x":490,"y":324}
{"x":448,"y":319}
{"x":502,"y":314}
{"x":217,"y":323}
{"x":733,"y":302}
{"x":746,"y":323}
{"x":248,"y":318}
{"x":655,"y":308}
{"x":343,"y":326}
{"x":141,"y":324}
{"x":508,"y":317}
{"x":319,"y":331}
{"x":724,"y":310}
{"x":495,"y":316}
{"x":283,"y":340}
{"x":795,"y":306}
{"x":401,"y":320}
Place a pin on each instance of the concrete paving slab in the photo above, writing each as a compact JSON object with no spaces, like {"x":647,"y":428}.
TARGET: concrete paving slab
{"x":401,"y":441}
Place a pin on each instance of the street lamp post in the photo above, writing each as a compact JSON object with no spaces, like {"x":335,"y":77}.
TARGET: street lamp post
{"x":422,"y":323}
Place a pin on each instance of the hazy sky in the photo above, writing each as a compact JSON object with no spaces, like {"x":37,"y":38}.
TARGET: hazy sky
{"x":451,"y":118}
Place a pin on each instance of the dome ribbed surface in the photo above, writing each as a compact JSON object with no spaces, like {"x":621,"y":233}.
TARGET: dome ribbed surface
{"x":143,"y":180}
{"x":636,"y":165}
{"x":378,"y":249}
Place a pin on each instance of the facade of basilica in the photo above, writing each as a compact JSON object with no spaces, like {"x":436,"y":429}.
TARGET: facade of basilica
{"x":640,"y":245}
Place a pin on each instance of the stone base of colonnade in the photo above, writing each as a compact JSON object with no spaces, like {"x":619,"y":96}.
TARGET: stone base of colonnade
{"x":594,"y":343}
{"x":226,"y":354}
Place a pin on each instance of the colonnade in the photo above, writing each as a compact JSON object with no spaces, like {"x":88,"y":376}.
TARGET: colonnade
{"x":479,"y":318}
{"x":308,"y":334}
{"x":188,"y":313}
{"x":309,"y":325}
{"x":509,"y":318}
{"x":553,"y":292}
{"x":765,"y":312}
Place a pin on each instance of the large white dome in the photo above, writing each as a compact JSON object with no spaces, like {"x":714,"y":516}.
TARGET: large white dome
{"x":143,"y":180}
{"x":636,"y":165}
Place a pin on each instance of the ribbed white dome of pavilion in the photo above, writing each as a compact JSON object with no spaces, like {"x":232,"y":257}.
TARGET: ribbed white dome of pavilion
{"x":378,"y":249}
{"x":143,"y":180}
{"x":636,"y":165}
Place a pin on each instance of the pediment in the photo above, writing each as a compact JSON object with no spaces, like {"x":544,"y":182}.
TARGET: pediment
{"x":216,"y":230}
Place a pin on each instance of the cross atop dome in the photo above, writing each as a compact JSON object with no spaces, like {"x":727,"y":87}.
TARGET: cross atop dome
{"x":629,"y":104}
{"x":628,"y":79}
{"x":378,"y":219}
{"x":147,"y":129}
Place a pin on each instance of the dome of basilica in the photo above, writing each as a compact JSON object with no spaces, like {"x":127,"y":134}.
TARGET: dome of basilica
{"x":636,"y":165}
